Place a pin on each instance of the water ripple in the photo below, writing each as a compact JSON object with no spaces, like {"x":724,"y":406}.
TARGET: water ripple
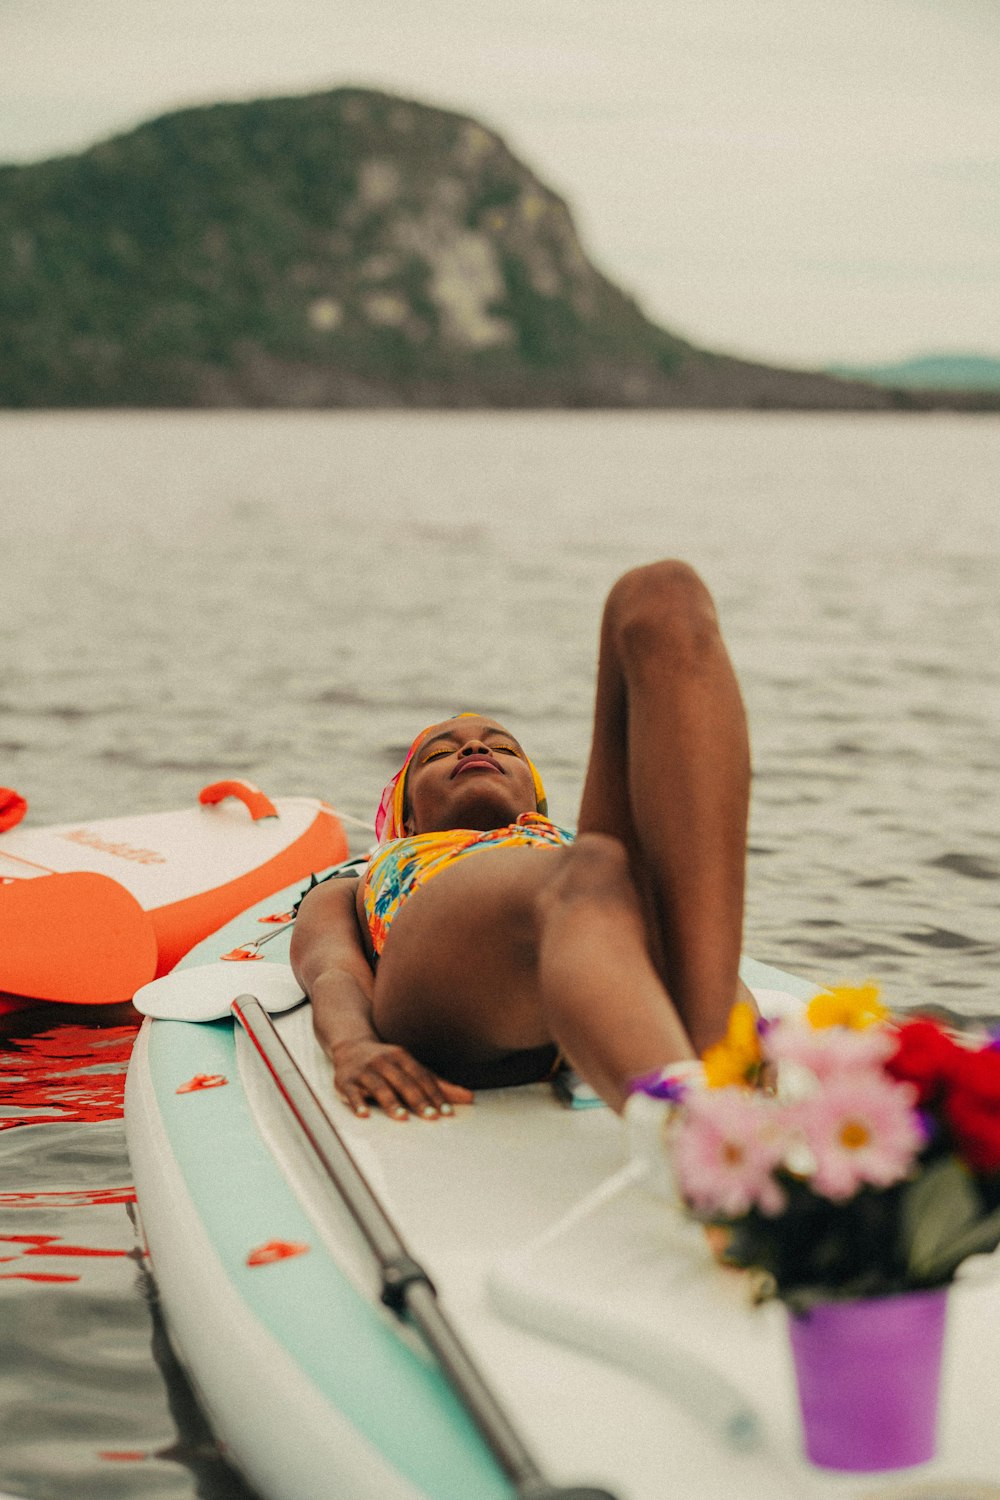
{"x":972,"y":866}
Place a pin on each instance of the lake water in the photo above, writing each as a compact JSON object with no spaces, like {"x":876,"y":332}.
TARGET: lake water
{"x":289,"y":597}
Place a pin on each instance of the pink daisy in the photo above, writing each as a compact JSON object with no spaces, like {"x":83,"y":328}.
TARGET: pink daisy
{"x":830,"y":1050}
{"x":726,"y":1145}
{"x":860,"y":1128}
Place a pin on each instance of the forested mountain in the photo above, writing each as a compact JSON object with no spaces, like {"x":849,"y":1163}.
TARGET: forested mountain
{"x":341,"y":249}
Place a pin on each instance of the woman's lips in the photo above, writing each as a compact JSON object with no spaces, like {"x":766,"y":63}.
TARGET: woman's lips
{"x":477,"y":763}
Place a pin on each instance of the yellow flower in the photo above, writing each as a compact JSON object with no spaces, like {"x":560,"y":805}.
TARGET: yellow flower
{"x":855,"y":1007}
{"x":737,"y":1058}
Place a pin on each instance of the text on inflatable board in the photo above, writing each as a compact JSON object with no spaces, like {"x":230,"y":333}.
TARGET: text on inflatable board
{"x":121,"y":851}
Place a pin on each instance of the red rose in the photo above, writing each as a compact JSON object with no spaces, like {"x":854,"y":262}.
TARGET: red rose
{"x":972,"y":1108}
{"x":927,"y":1057}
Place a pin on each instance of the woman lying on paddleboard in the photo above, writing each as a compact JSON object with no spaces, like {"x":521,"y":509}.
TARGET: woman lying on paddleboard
{"x":439,"y":972}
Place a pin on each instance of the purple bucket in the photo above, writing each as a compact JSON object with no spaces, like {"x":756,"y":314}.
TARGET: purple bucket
{"x":869,"y":1375}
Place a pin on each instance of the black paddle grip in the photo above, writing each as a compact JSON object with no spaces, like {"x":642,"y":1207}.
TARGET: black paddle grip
{"x":398,"y":1275}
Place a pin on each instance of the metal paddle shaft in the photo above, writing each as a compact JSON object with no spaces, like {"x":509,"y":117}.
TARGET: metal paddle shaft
{"x":406,"y":1287}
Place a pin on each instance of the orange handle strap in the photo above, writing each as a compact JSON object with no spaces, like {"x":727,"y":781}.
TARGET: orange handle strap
{"x":257,"y":802}
{"x":12,"y":807}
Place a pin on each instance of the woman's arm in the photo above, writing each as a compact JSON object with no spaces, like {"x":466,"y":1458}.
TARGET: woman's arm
{"x":330,"y":964}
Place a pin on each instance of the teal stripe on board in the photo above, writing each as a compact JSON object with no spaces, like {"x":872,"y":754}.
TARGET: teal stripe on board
{"x":400,"y":1404}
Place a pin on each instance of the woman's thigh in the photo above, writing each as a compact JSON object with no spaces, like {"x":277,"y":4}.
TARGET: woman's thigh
{"x":457,"y":981}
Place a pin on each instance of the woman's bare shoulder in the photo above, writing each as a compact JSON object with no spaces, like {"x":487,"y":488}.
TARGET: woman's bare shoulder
{"x":327,"y":926}
{"x":327,"y":903}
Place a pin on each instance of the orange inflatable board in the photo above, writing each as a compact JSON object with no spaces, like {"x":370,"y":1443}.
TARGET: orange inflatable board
{"x":91,"y":911}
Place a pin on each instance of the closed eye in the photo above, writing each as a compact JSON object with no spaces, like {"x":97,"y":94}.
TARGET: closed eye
{"x":450,"y":747}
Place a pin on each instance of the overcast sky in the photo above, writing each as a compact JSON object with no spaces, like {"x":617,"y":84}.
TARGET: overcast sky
{"x":800,"y":180}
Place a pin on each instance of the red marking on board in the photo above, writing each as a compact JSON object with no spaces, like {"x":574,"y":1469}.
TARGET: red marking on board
{"x":29,"y":1239}
{"x":266,"y":1255}
{"x":242,"y":956}
{"x":202,"y":1081}
{"x":123,"y":1455}
{"x":277,"y":916}
{"x":51,"y":1075}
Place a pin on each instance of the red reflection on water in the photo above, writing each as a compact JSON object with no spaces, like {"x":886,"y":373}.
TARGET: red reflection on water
{"x":33,"y":1276}
{"x":48,"y":1074}
{"x":47,"y":1244}
{"x":10,"y":1004}
{"x":70,"y":1198}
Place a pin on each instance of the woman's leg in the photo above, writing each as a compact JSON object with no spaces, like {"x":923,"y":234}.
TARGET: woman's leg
{"x":669,"y":774}
{"x":507,"y":952}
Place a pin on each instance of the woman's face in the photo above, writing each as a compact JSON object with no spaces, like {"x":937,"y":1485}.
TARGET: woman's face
{"x":467,"y":773}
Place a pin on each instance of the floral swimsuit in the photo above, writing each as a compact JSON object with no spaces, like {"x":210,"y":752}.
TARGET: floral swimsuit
{"x":397,"y":868}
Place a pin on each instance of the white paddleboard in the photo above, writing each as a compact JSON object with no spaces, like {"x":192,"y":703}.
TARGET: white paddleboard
{"x":625,"y":1356}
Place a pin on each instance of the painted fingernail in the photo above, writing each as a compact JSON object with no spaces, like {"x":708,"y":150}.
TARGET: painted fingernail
{"x":399,"y":1112}
{"x":446,"y":1109}
{"x":428,"y":1112}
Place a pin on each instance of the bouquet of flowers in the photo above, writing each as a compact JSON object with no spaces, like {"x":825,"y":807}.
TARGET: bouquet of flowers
{"x":871,"y":1168}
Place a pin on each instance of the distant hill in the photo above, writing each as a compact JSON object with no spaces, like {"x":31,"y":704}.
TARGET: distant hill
{"x":944,"y":372}
{"x":342,"y":249}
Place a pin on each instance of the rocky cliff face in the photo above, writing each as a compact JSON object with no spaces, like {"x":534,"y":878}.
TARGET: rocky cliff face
{"x":343,"y":249}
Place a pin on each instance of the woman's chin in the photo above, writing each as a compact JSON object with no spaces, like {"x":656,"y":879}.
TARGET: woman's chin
{"x":482,"y":807}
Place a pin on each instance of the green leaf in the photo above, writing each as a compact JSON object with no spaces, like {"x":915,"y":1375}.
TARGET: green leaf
{"x":943,"y":1223}
{"x":940,"y":1205}
{"x":980,"y":1239}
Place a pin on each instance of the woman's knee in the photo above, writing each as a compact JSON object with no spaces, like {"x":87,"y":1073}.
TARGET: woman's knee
{"x":662,"y":612}
{"x":594,"y":873}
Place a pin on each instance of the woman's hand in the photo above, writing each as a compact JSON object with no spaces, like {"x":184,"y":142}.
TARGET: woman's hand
{"x":369,"y":1071}
{"x":329,"y":962}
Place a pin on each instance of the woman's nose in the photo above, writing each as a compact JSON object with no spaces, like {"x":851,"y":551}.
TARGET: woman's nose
{"x":474,"y":747}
